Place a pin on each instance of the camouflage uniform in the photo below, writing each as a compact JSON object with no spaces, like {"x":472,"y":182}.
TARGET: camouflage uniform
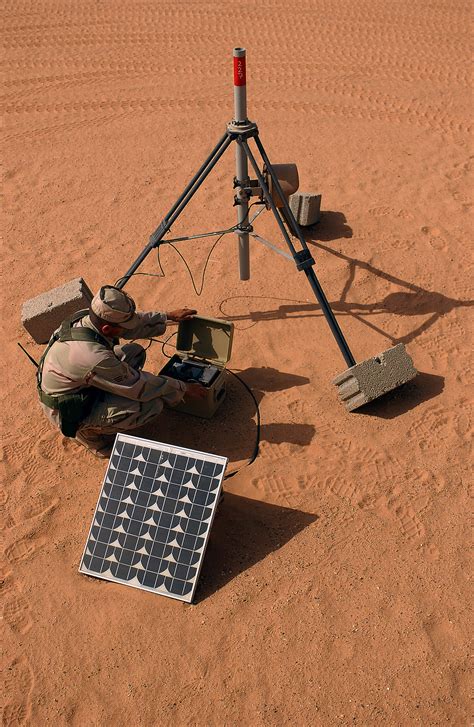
{"x":129,"y":396}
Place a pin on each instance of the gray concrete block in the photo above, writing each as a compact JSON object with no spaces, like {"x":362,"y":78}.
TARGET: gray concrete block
{"x":306,"y":208}
{"x":370,"y":379}
{"x":43,"y":314}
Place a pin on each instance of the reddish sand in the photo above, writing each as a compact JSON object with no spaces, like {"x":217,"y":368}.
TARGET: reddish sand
{"x":334,"y":589}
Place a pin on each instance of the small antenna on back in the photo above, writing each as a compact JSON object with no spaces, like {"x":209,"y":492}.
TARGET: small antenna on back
{"x":30,"y":357}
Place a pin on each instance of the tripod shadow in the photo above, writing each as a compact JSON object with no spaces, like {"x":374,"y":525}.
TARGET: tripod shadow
{"x":245,"y":532}
{"x":414,"y":301}
{"x":232,"y":430}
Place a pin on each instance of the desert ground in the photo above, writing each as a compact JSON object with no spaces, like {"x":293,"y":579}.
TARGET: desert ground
{"x":335,"y":588}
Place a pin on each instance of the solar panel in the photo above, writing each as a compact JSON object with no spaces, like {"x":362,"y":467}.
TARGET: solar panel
{"x":153,"y":517}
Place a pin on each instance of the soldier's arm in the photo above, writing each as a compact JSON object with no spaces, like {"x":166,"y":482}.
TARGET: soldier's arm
{"x":117,"y":377}
{"x":154,"y":324}
{"x":151,"y":324}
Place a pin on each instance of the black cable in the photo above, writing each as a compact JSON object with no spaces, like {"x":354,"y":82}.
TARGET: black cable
{"x":165,"y":343}
{"x":254,"y":454}
{"x":201,"y":287}
{"x":162,"y":273}
{"x":151,"y":340}
{"x":151,"y":275}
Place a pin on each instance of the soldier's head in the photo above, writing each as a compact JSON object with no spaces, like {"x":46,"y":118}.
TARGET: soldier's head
{"x":112,"y":311}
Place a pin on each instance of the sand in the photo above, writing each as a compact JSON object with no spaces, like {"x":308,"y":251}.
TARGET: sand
{"x":334,"y":589}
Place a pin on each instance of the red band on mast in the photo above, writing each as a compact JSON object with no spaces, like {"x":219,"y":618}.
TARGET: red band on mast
{"x":239,"y":72}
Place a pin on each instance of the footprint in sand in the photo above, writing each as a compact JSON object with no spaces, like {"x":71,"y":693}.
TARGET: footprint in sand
{"x":439,"y":425}
{"x":360,"y":473}
{"x":432,"y":552}
{"x":332,"y":555}
{"x":390,"y":212}
{"x":25,"y":460}
{"x":39,"y":506}
{"x":32,"y":506}
{"x":356,"y":491}
{"x":276,"y":452}
{"x":435,"y":238}
{"x":445,"y":343}
{"x":18,"y":684}
{"x":39,"y":453}
{"x":396,"y":506}
{"x":282,"y":486}
{"x":298,"y":409}
{"x":24,"y":548}
{"x":6,"y":518}
{"x":443,"y":636}
{"x":16,"y":610}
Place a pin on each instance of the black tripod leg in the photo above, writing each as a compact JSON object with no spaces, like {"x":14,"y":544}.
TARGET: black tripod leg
{"x":179,"y":206}
{"x":303,"y":261}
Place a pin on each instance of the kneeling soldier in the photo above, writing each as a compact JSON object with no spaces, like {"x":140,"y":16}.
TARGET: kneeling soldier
{"x":91,"y":387}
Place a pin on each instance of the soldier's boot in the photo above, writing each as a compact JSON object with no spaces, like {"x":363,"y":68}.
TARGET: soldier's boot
{"x":99,"y":445}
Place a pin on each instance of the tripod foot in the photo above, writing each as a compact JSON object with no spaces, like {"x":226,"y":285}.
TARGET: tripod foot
{"x":374,"y":377}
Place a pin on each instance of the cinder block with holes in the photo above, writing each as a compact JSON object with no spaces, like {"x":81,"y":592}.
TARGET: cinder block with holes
{"x":370,"y":379}
{"x":306,"y":208}
{"x":43,"y":314}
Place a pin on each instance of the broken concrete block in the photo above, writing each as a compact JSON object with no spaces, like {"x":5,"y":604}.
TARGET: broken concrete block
{"x":370,"y":379}
{"x":43,"y":314}
{"x":306,"y":208}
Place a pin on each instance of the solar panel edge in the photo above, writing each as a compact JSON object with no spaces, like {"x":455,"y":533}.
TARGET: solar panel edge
{"x":208,"y":535}
{"x":185,"y":450}
{"x":93,"y":574}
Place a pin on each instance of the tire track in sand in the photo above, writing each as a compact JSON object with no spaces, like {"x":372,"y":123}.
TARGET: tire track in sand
{"x":392,"y":111}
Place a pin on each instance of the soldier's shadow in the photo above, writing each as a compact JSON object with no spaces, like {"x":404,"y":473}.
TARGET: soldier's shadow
{"x":245,"y":532}
{"x":232,"y":431}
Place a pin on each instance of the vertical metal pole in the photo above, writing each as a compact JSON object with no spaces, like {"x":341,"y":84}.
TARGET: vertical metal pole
{"x":241,"y":166}
{"x":308,"y":268}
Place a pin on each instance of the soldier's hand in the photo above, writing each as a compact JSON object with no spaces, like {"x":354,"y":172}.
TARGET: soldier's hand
{"x":195,"y":391}
{"x":181,"y":314}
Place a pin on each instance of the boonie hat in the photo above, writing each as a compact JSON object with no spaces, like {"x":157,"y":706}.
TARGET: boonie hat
{"x":115,"y":307}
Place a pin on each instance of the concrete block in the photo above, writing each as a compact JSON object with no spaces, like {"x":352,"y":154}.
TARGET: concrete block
{"x":370,"y":379}
{"x":306,"y":208}
{"x":43,"y":314}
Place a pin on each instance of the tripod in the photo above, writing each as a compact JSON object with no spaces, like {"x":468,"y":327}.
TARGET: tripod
{"x":240,"y":131}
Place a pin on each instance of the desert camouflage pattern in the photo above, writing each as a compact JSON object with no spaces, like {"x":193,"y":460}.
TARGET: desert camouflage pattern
{"x":129,"y":396}
{"x":115,"y":306}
